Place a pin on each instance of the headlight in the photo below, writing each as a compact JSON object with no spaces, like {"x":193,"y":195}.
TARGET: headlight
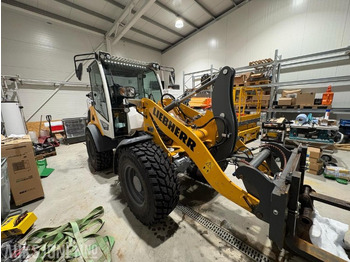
{"x":127,"y":91}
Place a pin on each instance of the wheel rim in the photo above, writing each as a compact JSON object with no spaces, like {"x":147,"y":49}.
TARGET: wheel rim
{"x":134,"y":184}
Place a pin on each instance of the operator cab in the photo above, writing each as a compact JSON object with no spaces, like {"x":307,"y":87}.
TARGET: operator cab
{"x":113,"y":81}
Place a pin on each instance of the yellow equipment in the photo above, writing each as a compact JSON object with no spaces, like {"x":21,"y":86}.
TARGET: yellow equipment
{"x":245,"y":99}
{"x":200,"y":102}
{"x":150,"y":138}
{"x":17,"y":225}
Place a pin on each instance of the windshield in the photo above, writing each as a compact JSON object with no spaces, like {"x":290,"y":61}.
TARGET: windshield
{"x":143,"y":79}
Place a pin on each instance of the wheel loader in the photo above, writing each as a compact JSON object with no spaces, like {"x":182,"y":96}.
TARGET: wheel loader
{"x":149,"y":137}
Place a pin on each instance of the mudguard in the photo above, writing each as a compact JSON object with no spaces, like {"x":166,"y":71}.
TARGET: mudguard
{"x":102,"y":143}
{"x":128,"y":142}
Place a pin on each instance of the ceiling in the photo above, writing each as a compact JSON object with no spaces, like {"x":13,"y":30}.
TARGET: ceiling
{"x":149,"y":23}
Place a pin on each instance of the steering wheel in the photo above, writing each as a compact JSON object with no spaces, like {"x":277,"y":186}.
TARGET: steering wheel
{"x":164,"y":95}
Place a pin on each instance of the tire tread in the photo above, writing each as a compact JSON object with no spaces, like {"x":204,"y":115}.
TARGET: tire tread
{"x":162,"y":178}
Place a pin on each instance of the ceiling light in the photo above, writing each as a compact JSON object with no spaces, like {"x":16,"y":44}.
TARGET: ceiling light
{"x":179,"y":23}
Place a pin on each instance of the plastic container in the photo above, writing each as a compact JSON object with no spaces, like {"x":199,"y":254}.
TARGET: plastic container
{"x":33,"y":136}
{"x":327,"y":97}
{"x":327,"y":113}
{"x":74,"y":127}
{"x":345,"y":126}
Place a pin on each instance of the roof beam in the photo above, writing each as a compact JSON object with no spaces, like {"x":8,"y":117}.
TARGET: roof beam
{"x":121,"y":6}
{"x":117,"y":23}
{"x":111,"y":20}
{"x":52,"y":15}
{"x":149,"y":35}
{"x":205,"y":9}
{"x":175,"y":13}
{"x":140,"y":44}
{"x":85,"y":10}
{"x":133,"y":20}
{"x":225,"y":13}
{"x":161,"y":26}
{"x":68,"y":21}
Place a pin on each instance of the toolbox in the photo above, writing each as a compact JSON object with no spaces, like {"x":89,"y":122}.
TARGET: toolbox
{"x":17,"y":225}
{"x":345,"y":126}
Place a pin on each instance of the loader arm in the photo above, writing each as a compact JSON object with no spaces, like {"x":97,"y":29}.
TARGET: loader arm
{"x":197,"y":151}
{"x":274,"y":193}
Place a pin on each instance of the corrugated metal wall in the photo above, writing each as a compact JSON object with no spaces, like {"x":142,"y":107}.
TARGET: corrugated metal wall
{"x":254,"y":31}
{"x":35,"y":49}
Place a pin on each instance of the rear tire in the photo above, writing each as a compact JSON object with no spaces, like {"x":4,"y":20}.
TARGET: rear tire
{"x":98,"y":160}
{"x":148,"y":183}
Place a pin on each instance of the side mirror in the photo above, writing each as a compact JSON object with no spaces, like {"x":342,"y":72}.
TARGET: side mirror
{"x":79,"y":71}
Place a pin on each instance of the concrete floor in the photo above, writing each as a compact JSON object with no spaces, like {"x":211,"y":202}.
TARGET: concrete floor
{"x":72,"y":191}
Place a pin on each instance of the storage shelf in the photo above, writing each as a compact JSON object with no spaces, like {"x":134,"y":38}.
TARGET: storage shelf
{"x":305,"y":110}
{"x":312,"y":61}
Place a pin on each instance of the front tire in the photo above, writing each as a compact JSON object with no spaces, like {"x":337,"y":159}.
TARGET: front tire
{"x":148,"y":183}
{"x":98,"y":160}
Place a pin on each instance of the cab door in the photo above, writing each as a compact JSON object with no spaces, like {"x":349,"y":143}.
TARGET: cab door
{"x":101,"y":101}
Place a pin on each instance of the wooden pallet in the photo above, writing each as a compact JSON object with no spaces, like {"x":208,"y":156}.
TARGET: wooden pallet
{"x":45,"y":155}
{"x":259,"y":82}
{"x":315,"y":107}
{"x":345,"y":147}
{"x":285,"y":107}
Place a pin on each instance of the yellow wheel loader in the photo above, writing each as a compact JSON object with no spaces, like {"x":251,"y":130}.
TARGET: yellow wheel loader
{"x":150,"y":137}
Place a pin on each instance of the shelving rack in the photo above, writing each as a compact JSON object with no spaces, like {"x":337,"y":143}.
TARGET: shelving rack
{"x":190,"y":80}
{"x":326,"y":59}
{"x":10,"y":83}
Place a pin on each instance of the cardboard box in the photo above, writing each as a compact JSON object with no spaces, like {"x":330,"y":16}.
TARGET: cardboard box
{"x":286,"y":101}
{"x":313,"y":160}
{"x":306,"y":99}
{"x":264,"y":103}
{"x":23,"y":173}
{"x":314,"y":152}
{"x":265,"y":97}
{"x":241,"y":79}
{"x":313,"y":172}
{"x":315,"y":166}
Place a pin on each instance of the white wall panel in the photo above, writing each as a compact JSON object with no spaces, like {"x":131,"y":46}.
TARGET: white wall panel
{"x":34,"y":49}
{"x":255,"y":30}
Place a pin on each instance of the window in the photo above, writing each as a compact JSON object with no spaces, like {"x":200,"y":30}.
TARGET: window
{"x":151,"y":86}
{"x":143,"y":80}
{"x":98,"y":93}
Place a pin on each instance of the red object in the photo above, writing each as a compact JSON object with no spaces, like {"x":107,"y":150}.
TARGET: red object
{"x":327,"y":97}
{"x":49,"y":140}
{"x":57,"y":129}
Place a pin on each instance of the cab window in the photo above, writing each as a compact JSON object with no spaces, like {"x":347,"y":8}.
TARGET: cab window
{"x":98,"y":94}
